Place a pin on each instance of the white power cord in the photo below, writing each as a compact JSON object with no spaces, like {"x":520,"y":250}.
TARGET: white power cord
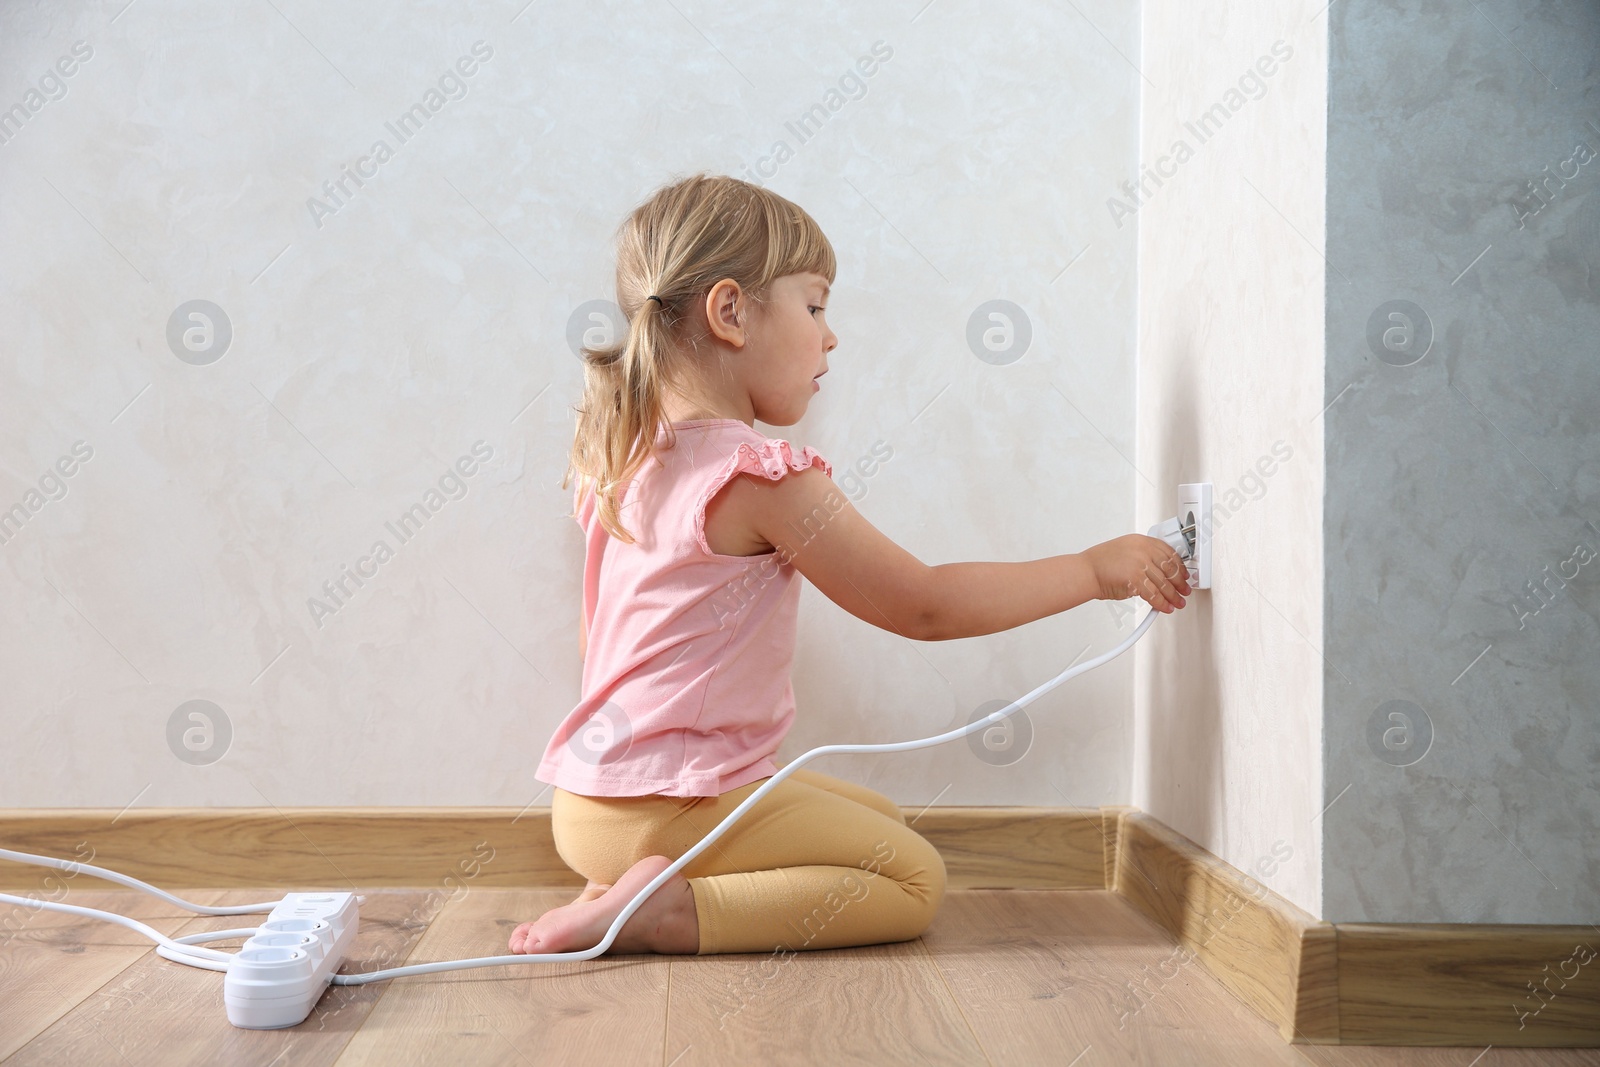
{"x":74,"y":867}
{"x":187,"y":950}
{"x":195,"y":939}
{"x":190,"y":952}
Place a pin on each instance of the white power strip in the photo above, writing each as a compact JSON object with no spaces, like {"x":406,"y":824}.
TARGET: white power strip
{"x":283,"y":970}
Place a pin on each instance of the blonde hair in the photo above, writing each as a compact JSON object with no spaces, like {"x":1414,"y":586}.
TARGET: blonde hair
{"x":685,"y":238}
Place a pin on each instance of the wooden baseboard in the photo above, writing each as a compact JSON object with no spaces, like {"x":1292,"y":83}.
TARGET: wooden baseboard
{"x":1469,"y":984}
{"x":1362,"y":983}
{"x":1018,"y":848}
{"x":998,"y":847}
{"x":1319,"y":983}
{"x":290,"y":848}
{"x":1274,"y":956}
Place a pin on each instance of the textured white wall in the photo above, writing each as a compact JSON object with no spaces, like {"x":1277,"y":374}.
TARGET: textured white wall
{"x":418,"y":324}
{"x":1228,"y":696}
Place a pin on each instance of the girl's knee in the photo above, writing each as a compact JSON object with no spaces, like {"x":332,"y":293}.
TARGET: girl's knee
{"x":868,"y":798}
{"x":938,"y":878}
{"x":880,"y":803}
{"x":923,"y":897}
{"x":919,"y":869}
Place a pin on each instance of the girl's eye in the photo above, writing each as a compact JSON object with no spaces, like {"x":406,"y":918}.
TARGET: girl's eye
{"x":815,"y":309}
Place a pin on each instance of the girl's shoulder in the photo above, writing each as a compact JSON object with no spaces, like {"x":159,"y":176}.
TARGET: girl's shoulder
{"x":763,"y":458}
{"x":746,"y":450}
{"x":725,"y":447}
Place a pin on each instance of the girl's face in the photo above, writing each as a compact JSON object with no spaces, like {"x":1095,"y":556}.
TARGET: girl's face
{"x":768,"y":358}
{"x":787,"y":349}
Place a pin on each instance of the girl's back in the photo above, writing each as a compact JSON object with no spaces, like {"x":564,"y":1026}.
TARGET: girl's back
{"x":686,"y":683}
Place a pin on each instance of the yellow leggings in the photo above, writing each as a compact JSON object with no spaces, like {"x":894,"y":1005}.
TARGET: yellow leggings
{"x":817,"y":863}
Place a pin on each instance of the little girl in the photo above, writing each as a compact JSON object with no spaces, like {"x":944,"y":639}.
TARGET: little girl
{"x":689,"y":607}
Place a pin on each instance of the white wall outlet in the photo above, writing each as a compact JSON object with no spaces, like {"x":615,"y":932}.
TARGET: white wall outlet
{"x":1194,"y":517}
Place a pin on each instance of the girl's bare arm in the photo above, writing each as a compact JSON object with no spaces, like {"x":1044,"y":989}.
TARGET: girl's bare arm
{"x":812,"y":524}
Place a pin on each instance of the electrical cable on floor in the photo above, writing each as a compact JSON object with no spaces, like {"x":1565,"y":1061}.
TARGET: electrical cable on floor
{"x":191,"y":951}
{"x":74,"y":867}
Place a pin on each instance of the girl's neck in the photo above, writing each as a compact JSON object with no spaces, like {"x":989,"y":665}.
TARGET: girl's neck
{"x":677,"y":410}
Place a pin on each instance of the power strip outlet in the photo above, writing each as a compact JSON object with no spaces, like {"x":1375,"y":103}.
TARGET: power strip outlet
{"x":282,"y":971}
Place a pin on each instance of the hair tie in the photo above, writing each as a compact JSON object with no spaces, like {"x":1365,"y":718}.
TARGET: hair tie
{"x":657,"y":299}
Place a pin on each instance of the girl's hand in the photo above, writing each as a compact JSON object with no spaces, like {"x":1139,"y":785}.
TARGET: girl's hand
{"x":1139,"y":565}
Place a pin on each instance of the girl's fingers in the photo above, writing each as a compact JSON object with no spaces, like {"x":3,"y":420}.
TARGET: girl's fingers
{"x":1177,"y":579}
{"x":1173,"y":568}
{"x":1168,"y":597}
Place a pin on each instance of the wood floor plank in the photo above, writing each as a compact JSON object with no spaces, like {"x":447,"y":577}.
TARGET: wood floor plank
{"x":50,"y":962}
{"x":160,"y":1012}
{"x":871,"y":1004}
{"x":1049,"y":975}
{"x":607,"y":1011}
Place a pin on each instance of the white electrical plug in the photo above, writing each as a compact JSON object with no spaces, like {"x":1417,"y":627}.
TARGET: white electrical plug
{"x":1189,"y":532}
{"x":1172,"y":533}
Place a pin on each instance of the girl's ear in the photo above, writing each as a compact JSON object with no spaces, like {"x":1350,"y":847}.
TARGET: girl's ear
{"x":728,"y":312}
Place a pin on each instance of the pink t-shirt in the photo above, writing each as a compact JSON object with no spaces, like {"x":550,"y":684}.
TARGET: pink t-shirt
{"x":686,"y":687}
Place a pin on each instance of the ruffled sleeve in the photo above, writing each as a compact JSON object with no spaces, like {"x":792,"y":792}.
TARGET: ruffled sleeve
{"x":770,"y":458}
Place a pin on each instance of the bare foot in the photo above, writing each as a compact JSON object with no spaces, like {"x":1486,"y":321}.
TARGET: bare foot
{"x":665,"y":922}
{"x":592,"y":890}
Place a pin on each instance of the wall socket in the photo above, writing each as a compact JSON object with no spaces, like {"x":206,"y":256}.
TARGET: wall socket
{"x":1194,"y":516}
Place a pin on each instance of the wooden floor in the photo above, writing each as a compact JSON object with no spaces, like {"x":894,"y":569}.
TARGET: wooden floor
{"x":1002,"y":977}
